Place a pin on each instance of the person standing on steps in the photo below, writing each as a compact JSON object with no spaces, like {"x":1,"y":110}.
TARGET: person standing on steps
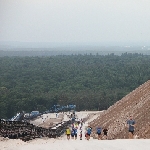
{"x":131,"y":127}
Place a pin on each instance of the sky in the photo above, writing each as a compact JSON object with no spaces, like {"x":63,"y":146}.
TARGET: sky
{"x":76,"y":21}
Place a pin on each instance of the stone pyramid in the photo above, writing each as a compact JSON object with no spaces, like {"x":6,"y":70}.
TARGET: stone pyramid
{"x":137,"y":104}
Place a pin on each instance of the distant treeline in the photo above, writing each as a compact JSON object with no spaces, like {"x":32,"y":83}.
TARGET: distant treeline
{"x":91,"y":82}
{"x":40,"y":52}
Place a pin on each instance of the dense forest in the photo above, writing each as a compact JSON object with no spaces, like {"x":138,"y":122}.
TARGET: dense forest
{"x":91,"y":82}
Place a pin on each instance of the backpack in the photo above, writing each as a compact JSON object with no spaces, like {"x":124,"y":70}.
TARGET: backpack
{"x":99,"y":130}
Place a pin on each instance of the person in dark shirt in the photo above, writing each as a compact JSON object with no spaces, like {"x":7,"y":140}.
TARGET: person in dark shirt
{"x":75,"y":132}
{"x":131,"y":127}
{"x":105,"y":131}
{"x":72,"y":133}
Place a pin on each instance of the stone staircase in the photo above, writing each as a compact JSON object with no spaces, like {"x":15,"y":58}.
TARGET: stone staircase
{"x":137,"y":104}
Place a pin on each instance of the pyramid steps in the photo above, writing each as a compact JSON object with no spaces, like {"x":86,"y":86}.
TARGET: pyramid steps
{"x":137,"y":104}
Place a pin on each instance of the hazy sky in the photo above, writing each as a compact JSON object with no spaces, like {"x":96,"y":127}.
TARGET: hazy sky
{"x":75,"y":21}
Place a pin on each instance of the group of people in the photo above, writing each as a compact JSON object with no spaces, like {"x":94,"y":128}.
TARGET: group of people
{"x":73,"y":132}
{"x":130,"y":125}
{"x":99,"y":131}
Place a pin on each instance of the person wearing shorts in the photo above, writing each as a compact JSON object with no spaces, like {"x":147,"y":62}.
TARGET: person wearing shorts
{"x":131,"y":124}
{"x":99,"y":129}
{"x":68,"y":132}
{"x":105,"y":131}
{"x":89,"y":130}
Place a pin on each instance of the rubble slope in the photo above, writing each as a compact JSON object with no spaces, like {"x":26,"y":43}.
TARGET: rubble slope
{"x":137,"y":104}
